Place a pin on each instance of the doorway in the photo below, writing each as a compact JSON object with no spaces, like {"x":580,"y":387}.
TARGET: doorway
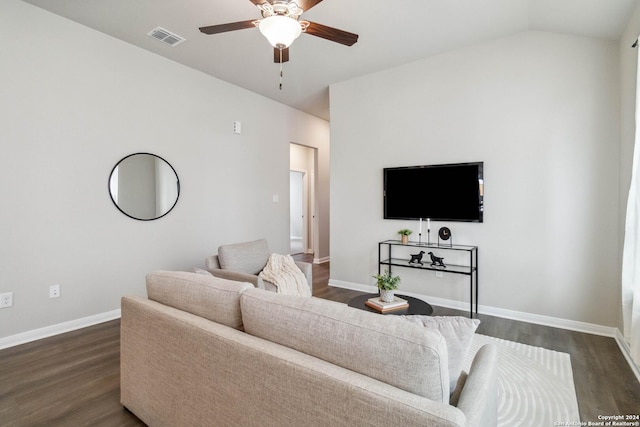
{"x":301,"y":199}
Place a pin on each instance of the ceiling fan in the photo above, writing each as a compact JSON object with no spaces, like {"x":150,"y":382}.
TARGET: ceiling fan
{"x":281,"y":25}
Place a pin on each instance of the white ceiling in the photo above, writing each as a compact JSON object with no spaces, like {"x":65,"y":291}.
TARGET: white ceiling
{"x":391,"y":33}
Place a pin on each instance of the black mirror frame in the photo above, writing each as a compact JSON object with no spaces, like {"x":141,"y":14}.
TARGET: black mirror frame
{"x":133,"y":217}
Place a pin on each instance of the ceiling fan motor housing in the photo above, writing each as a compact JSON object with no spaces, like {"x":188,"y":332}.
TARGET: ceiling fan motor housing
{"x":282,"y":8}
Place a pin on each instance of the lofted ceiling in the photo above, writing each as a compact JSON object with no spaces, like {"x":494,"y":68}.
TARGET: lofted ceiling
{"x":391,"y":33}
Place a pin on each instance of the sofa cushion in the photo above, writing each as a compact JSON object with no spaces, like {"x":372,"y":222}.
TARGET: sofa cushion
{"x":458,"y":333}
{"x":248,"y":257}
{"x":203,"y":295}
{"x":382,"y":347}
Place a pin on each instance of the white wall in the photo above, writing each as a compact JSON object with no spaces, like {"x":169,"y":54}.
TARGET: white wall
{"x":296,"y":205}
{"x":72,"y":103}
{"x":542,"y":111}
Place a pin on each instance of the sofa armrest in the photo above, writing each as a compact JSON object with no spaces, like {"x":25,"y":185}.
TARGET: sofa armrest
{"x":307,"y":270}
{"x":211,"y":262}
{"x":237,"y":276}
{"x":479,"y":396}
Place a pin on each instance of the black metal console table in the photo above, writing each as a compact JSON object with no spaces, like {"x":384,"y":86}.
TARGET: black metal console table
{"x":468,"y":269}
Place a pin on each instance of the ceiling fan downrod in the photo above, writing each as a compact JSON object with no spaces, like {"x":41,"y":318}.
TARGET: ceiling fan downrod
{"x":281,"y":72}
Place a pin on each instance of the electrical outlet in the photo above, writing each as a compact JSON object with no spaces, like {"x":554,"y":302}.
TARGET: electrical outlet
{"x":54,"y":291}
{"x":6,"y":300}
{"x":439,"y":274}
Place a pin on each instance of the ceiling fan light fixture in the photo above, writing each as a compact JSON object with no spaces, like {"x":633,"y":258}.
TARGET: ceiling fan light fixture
{"x":280,"y":30}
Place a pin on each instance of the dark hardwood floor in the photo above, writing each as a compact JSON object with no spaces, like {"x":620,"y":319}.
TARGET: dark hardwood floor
{"x":73,"y":379}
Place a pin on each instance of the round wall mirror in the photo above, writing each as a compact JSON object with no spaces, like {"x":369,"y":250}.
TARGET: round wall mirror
{"x":144,"y":186}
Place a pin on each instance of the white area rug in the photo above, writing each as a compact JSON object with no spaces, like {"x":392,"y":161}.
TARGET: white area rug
{"x":535,"y":385}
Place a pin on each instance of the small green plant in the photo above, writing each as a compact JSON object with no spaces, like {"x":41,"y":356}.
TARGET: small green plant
{"x":405,"y":232}
{"x":386,"y":282}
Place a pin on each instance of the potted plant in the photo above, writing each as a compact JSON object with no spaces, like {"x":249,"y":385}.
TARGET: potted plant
{"x":404,"y":233}
{"x":387,"y":284}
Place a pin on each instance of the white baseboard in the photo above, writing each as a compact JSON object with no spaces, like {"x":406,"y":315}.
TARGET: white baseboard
{"x":537,"y":319}
{"x":354,"y":286}
{"x":321,"y":260}
{"x":59,"y":328}
{"x":554,"y":322}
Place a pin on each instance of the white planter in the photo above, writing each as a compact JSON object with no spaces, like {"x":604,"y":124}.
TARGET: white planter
{"x":387,"y":296}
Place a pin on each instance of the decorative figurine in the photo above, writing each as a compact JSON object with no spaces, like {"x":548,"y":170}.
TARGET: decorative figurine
{"x":436,"y":260}
{"x":417,"y":258}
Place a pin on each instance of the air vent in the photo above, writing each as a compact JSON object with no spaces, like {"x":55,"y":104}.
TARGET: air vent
{"x":165,"y":36}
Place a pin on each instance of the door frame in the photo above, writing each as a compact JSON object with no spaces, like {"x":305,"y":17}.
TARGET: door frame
{"x":310,"y":195}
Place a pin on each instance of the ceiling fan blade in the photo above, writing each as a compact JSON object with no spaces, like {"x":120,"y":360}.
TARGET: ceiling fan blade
{"x":258,"y":2}
{"x":305,"y":4}
{"x":333,"y":34}
{"x":232,"y":26}
{"x":276,"y":55}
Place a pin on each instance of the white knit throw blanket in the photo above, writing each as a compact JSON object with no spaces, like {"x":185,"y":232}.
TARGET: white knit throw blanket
{"x":282,"y":271}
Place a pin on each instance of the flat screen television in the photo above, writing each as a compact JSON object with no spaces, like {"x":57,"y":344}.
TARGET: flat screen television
{"x":449,"y":192}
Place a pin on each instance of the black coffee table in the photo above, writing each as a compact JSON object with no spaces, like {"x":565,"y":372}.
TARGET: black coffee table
{"x":416,"y":306}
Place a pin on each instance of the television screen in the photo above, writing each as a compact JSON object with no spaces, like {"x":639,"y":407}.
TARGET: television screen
{"x":451,"y":192}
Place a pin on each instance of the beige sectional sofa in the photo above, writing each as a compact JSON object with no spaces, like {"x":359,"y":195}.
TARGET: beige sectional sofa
{"x":205,"y":351}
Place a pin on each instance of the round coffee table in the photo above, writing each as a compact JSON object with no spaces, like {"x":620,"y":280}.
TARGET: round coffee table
{"x":416,"y":306}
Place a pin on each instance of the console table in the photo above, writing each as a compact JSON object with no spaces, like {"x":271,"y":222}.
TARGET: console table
{"x":469,"y":268}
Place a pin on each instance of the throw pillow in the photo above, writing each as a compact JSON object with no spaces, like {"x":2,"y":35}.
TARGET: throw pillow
{"x":457,"y":332}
